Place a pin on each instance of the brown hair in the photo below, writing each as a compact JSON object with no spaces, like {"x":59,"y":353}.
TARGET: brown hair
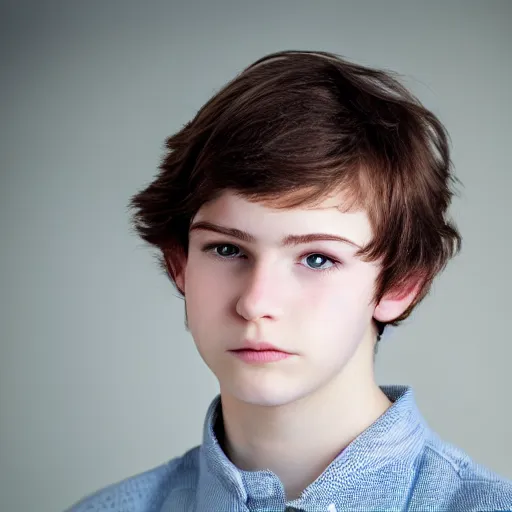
{"x":297,"y":125}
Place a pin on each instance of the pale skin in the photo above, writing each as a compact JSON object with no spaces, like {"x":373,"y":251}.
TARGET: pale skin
{"x":312,"y":299}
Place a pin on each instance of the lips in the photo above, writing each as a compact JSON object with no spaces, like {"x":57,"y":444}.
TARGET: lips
{"x":260,"y":346}
{"x":260,"y":356}
{"x":260,"y":353}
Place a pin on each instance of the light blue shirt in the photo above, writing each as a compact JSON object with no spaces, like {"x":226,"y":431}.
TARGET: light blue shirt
{"x":397,"y":464}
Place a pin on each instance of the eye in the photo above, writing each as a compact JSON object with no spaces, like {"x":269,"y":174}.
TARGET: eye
{"x":317,"y":261}
{"x":227,"y":251}
{"x":313,"y":261}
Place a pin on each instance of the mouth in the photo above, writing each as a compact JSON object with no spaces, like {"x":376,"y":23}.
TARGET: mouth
{"x":260,"y":353}
{"x":260,"y":356}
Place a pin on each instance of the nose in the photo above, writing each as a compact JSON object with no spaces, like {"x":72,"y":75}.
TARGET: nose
{"x":262,"y":294}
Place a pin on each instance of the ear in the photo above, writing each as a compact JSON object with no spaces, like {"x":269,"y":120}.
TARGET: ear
{"x":179,"y":279}
{"x":175,"y":264}
{"x":396,"y":301}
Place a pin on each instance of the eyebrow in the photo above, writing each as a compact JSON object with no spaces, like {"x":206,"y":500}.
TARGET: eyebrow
{"x":287,"y":241}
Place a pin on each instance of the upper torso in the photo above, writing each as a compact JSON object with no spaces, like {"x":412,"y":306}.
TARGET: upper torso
{"x":398,"y":464}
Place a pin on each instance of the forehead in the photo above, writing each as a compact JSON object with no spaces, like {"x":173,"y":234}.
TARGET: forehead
{"x":267,"y":223}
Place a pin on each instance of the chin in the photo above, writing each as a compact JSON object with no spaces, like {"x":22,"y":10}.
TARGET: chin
{"x":262,"y":392}
{"x":265,"y":399}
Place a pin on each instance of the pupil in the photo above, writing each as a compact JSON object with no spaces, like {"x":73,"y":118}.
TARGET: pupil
{"x":229,"y":252}
{"x":316,"y":258}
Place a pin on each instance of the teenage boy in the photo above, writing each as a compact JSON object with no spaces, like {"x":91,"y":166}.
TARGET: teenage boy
{"x":302,"y":210}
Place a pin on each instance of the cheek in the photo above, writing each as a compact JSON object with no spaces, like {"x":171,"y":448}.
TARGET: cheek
{"x":338,"y":302}
{"x":206,"y":291}
{"x":200,"y":279}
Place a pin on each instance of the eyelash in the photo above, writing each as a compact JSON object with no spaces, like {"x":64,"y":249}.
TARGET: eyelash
{"x":209,"y":248}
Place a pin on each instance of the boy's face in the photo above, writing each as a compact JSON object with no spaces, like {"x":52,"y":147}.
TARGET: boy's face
{"x":313,"y":300}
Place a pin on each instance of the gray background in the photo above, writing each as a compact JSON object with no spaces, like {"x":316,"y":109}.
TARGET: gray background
{"x":98,"y":378}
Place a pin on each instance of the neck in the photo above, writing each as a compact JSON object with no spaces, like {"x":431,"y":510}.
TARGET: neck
{"x":298,"y":440}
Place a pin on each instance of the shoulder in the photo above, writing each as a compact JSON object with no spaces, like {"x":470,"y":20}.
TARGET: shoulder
{"x":145,"y":491}
{"x":449,"y":480}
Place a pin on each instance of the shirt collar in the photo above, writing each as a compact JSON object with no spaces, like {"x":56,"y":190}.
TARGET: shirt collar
{"x":395,"y":438}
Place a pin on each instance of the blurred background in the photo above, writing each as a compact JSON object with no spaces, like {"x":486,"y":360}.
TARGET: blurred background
{"x":93,"y":349}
